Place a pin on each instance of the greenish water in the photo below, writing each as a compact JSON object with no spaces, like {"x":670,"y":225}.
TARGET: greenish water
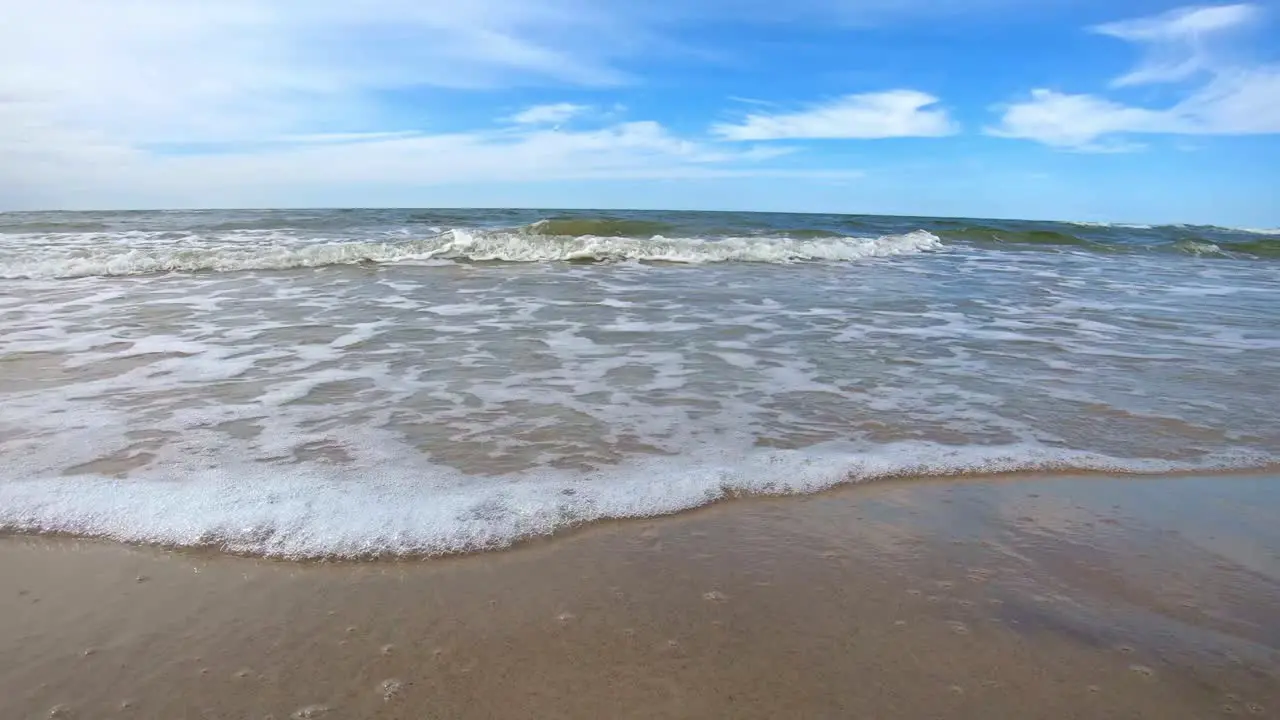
{"x":192,"y":229}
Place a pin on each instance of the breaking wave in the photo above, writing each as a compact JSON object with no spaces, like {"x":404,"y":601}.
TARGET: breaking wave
{"x":1196,"y":247}
{"x":35,"y":261}
{"x":1265,"y":248}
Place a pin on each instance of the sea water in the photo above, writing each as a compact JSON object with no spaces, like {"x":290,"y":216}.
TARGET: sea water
{"x":371,"y":382}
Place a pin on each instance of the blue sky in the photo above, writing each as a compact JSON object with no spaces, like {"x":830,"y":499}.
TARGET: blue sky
{"x":1065,"y":109}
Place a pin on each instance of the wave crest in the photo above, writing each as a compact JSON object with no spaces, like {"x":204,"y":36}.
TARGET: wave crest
{"x":52,"y":262}
{"x":520,"y":247}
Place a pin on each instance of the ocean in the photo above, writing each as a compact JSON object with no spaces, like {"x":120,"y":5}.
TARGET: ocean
{"x":363,"y":383}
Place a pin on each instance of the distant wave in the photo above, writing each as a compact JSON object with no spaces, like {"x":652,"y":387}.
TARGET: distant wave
{"x":640,"y":229}
{"x":981,"y":234}
{"x":35,"y":261}
{"x":1138,"y":226}
{"x":1128,"y":226}
{"x":49,"y":226}
{"x":1226,"y":229}
{"x":1260,"y":248}
{"x":1200,"y":241}
{"x":1256,"y":231}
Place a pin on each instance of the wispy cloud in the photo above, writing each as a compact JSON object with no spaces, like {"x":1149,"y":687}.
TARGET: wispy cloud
{"x":325,"y":167}
{"x":93,"y":97}
{"x":170,"y":102}
{"x":893,"y":113}
{"x":551,"y":114}
{"x":144,"y":102}
{"x":192,"y":70}
{"x":751,"y":101}
{"x":1227,"y":97}
{"x":862,"y":13}
{"x":1180,"y":43}
{"x":349,"y":137}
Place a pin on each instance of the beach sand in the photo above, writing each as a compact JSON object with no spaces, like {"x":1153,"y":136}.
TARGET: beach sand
{"x":1020,"y":597}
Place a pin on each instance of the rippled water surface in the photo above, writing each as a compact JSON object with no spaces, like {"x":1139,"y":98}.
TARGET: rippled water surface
{"x":356,"y":382}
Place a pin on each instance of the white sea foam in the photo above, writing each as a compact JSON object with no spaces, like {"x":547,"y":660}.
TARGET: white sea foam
{"x":393,"y":509}
{"x":42,"y":257}
{"x":522,"y":247}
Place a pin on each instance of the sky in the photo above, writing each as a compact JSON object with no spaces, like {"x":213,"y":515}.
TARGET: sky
{"x":1101,"y":110}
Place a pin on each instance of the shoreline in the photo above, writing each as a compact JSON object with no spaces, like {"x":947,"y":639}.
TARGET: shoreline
{"x":1024,"y":596}
{"x":728,"y":495}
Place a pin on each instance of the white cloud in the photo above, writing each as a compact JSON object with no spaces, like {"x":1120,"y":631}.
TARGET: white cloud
{"x":193,"y":70}
{"x":893,"y":113}
{"x":1238,"y":101}
{"x":187,"y":102}
{"x":1076,"y":121}
{"x":1178,"y":43}
{"x":191,"y":103}
{"x":1232,"y":99}
{"x":96,"y":96}
{"x":552,"y":114}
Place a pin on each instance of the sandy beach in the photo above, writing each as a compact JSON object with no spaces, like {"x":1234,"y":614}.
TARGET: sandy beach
{"x":1027,"y":597}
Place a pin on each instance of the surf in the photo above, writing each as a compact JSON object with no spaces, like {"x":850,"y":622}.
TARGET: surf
{"x":104,"y":258}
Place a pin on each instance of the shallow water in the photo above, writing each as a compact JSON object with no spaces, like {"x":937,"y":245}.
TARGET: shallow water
{"x":310,"y":383}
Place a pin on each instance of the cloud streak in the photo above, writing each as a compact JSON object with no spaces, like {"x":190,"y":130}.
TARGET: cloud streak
{"x":867,"y":116}
{"x":551,"y":114}
{"x":1180,"y":43}
{"x":326,"y":166}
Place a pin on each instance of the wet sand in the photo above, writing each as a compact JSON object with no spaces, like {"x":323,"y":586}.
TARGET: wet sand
{"x":1025,"y":597}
